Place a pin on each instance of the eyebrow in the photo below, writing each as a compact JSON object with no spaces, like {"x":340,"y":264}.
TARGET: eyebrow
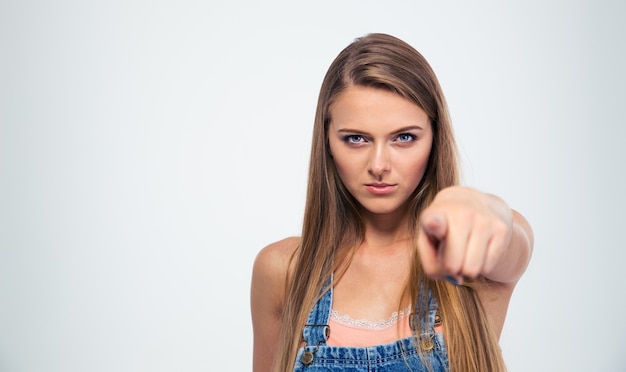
{"x":401,"y":130}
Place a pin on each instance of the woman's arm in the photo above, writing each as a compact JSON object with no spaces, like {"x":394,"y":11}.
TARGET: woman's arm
{"x":269,"y":276}
{"x":468,"y":234}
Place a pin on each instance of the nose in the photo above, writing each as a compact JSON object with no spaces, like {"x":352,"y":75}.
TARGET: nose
{"x":379,"y":161}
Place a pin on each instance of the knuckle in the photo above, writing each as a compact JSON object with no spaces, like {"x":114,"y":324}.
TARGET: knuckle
{"x":501,"y":228}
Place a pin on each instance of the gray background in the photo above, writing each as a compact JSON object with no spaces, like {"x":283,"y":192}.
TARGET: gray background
{"x":149,"y":149}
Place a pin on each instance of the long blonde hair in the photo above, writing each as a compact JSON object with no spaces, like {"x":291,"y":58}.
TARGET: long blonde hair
{"x":333,"y":226}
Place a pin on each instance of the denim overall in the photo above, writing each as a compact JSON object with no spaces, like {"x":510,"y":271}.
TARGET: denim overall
{"x":400,"y":355}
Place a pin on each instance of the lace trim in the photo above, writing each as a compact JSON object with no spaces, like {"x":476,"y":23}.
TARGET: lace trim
{"x":368,"y":324}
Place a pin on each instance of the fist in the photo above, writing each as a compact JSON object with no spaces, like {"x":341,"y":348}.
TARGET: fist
{"x":463,"y":233}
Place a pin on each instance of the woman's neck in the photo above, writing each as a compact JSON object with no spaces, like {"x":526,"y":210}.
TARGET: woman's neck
{"x":386,"y":230}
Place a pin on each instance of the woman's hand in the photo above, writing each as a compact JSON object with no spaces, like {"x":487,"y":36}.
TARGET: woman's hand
{"x":465,"y":233}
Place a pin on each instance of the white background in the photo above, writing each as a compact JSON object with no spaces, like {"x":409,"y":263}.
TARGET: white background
{"x":149,"y":149}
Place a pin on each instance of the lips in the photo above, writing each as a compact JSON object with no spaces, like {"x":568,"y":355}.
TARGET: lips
{"x":380,"y":188}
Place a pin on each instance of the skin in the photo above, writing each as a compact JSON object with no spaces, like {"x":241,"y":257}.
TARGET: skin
{"x":380,"y":143}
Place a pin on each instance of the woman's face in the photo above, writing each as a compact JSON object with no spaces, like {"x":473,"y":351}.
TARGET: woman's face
{"x":380,"y":143}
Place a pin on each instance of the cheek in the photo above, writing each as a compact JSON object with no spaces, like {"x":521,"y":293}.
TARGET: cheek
{"x":343,"y":169}
{"x":344,"y":163}
{"x":416,"y":169}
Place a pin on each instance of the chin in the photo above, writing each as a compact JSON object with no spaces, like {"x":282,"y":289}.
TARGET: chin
{"x":382,"y":210}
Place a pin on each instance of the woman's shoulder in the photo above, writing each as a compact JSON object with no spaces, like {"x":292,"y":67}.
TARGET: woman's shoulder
{"x":279,"y":250}
{"x":270,"y":273}
{"x":273,"y":260}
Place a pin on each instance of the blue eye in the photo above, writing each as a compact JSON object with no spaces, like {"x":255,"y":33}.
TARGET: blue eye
{"x":353,"y":138}
{"x":406,"y":137}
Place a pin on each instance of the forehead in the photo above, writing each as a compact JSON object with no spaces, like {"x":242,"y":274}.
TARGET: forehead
{"x":374,"y":107}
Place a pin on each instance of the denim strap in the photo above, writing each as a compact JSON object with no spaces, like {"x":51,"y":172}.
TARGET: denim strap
{"x":316,"y":331}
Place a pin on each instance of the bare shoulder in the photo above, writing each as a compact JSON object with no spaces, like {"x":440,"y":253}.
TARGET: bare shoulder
{"x":270,"y":271}
{"x":274,"y":259}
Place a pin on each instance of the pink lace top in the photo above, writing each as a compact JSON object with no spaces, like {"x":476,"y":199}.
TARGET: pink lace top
{"x":345,"y":331}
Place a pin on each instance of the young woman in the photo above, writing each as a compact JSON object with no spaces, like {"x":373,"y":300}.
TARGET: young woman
{"x":398,"y":268}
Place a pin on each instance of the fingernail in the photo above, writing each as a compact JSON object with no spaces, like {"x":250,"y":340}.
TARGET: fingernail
{"x":452,"y":279}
